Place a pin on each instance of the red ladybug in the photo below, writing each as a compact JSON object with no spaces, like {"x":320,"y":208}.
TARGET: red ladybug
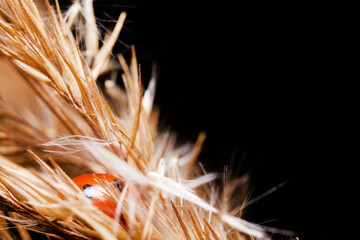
{"x":90,"y":184}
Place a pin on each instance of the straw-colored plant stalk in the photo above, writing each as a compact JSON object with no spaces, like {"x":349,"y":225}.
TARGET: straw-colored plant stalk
{"x":56,"y":123}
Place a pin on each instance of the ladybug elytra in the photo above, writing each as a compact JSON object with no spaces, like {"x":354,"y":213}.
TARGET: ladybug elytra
{"x":91,"y":186}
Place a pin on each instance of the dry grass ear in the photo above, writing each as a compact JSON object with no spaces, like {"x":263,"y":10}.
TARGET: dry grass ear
{"x":56,"y":123}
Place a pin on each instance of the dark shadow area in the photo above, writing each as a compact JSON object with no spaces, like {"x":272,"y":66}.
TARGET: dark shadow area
{"x":245,"y":75}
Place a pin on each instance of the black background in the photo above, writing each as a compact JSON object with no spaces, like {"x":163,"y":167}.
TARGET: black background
{"x":241,"y":74}
{"x":252,"y":77}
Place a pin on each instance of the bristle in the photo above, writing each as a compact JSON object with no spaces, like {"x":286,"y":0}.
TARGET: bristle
{"x":62,"y":125}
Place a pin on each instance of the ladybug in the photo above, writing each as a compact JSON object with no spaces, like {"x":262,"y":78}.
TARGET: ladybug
{"x":90,"y":184}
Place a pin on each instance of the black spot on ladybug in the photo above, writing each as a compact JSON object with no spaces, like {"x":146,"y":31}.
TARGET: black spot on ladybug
{"x":119,"y":185}
{"x":89,"y":191}
{"x":122,"y":218}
